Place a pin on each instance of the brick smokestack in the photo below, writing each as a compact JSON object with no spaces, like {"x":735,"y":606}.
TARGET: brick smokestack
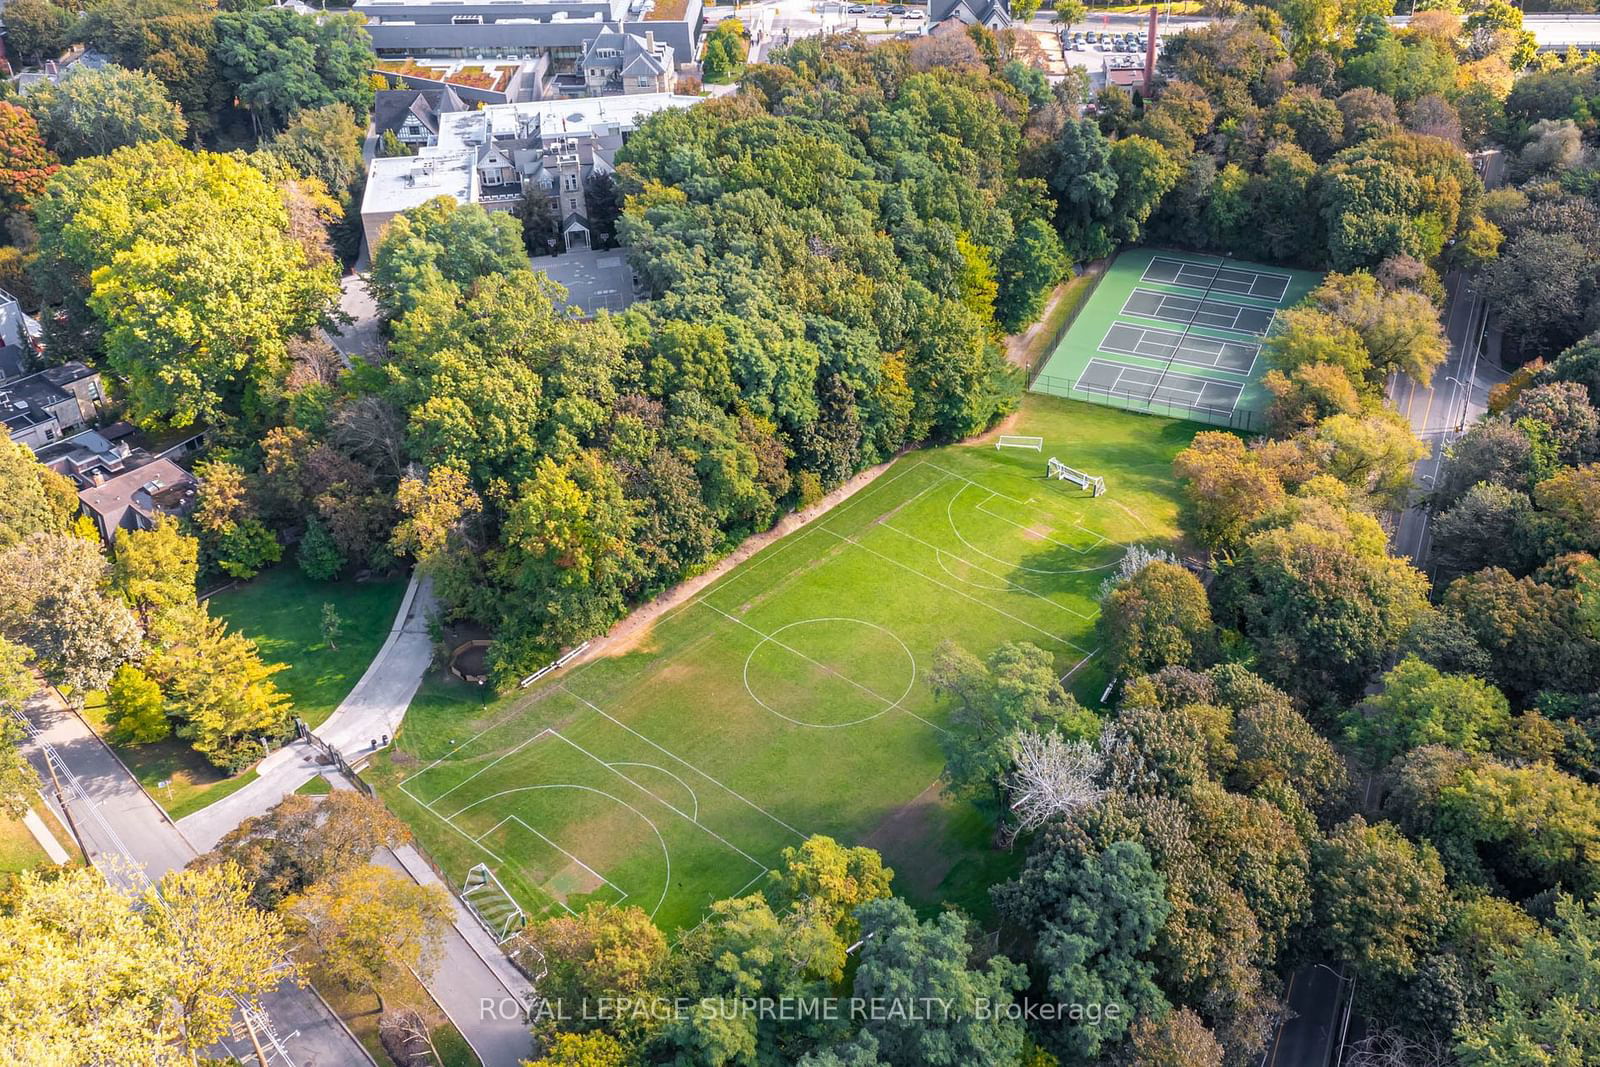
{"x":1150,"y":53}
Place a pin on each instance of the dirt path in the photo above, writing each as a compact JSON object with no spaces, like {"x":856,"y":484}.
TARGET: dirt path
{"x":628,"y":632}
{"x":1020,"y":346}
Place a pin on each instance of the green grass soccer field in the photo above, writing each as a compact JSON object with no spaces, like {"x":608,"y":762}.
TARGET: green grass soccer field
{"x":1176,"y":333}
{"x":790,"y":696}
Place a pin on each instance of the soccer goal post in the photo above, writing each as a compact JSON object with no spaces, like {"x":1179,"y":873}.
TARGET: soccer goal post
{"x":1035,"y":444}
{"x":491,"y":904}
{"x":1057,"y":470}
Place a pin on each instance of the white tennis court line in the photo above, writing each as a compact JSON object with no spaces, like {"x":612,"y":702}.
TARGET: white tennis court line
{"x":1175,"y":353}
{"x":1123,"y":368}
{"x":1208,"y":273}
{"x":1202,"y":314}
{"x":686,"y":763}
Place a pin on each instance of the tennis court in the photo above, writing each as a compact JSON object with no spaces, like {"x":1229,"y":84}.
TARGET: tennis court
{"x":1236,"y":356}
{"x":1174,"y":333}
{"x":1198,"y":311}
{"x":1163,"y":386}
{"x":1218,"y":279}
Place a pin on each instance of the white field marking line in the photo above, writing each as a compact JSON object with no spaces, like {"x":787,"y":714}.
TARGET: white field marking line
{"x":991,"y":489}
{"x":795,"y":651}
{"x":958,"y":592}
{"x":938,"y":556}
{"x":1077,"y":666}
{"x":552,"y":844}
{"x":504,"y":755}
{"x":949,"y":514}
{"x":444,"y":819}
{"x":911,"y":499}
{"x":895,"y":706}
{"x":983,"y":506}
{"x":665,"y":851}
{"x":1010,"y":586}
{"x":685,"y":762}
{"x":665,"y":804}
{"x":533,"y":830}
{"x":692,"y":795}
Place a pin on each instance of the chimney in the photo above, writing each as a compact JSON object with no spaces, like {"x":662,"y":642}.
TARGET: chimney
{"x":1150,"y":53}
{"x":650,"y":41}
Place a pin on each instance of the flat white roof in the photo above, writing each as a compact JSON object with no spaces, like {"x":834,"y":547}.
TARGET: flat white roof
{"x":400,"y":183}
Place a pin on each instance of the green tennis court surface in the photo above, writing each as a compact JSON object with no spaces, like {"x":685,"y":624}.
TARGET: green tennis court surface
{"x":1176,"y":333}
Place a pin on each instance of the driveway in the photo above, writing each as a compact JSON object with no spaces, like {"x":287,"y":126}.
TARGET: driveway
{"x":594,"y":280}
{"x":360,"y":339}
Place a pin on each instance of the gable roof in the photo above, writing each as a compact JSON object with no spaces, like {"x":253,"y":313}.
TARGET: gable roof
{"x":995,"y":14}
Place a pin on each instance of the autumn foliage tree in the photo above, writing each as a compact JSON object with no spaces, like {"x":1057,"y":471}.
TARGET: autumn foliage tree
{"x":25,"y":163}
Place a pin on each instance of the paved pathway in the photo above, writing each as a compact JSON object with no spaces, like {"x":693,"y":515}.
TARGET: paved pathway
{"x":131,"y":839}
{"x":373,"y":709}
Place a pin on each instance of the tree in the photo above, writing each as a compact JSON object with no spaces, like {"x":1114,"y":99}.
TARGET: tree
{"x":584,"y":1050}
{"x":93,"y":112}
{"x":1084,"y":180}
{"x":456,"y":243}
{"x":155,"y":569}
{"x":223,"y":949}
{"x":1093,"y":917}
{"x":94,"y":975}
{"x":1482,"y":529}
{"x":904,"y":959}
{"x":1157,"y":618}
{"x":1017,"y":688}
{"x":25,"y":163}
{"x":331,"y":625}
{"x":1068,"y":13}
{"x":280,"y":63}
{"x":603,"y":953}
{"x":53,"y":600}
{"x":217,"y":687}
{"x":323,"y":143}
{"x":301,"y":841}
{"x":33,"y":498}
{"x":1537,"y":285}
{"x":1380,"y":900}
{"x":319,"y":556}
{"x":390,"y":145}
{"x":1177,"y":1039}
{"x":1224,"y":489}
{"x":831,"y":877}
{"x":1145,"y":173}
{"x":185,"y":261}
{"x":1491,"y":451}
{"x":136,"y":712}
{"x":432,"y":507}
{"x":1051,"y":778}
{"x":37,"y":30}
{"x":1541,"y":1013}
{"x":368,"y":921}
{"x":1031,"y":266}
{"x":1372,"y":454}
{"x":1323,"y":603}
{"x":19,"y":785}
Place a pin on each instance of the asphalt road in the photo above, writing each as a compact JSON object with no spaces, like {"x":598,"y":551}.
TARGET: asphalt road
{"x":130,"y":840}
{"x":1314,"y":1022}
{"x":1438,"y":412}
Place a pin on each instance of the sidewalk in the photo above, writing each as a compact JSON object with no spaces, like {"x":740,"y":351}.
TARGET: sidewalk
{"x":131,"y":839}
{"x":373,"y":709}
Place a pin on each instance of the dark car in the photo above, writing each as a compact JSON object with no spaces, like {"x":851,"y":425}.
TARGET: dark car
{"x":898,"y":9}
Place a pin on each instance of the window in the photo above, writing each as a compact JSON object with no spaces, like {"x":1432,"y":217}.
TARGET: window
{"x":466,"y":20}
{"x":644,"y":83}
{"x":572,"y":204}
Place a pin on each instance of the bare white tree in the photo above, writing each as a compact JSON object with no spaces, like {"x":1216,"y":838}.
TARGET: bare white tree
{"x":1051,"y":777}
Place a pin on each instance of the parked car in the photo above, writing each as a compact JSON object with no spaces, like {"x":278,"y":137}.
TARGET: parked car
{"x":856,"y":9}
{"x":914,"y":13}
{"x":898,"y":9}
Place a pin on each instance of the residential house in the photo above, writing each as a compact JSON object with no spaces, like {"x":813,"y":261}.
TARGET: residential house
{"x":41,"y":407}
{"x":622,"y":62}
{"x":132,"y":500}
{"x":413,"y":114}
{"x":992,"y":14}
{"x":490,"y":156}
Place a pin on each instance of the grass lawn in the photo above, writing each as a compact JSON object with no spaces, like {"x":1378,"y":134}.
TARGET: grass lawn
{"x":18,"y":849}
{"x":1033,"y":343}
{"x":316,"y":787}
{"x":282,"y":610}
{"x":360,"y":1013}
{"x":191,"y":782}
{"x":790,"y":696}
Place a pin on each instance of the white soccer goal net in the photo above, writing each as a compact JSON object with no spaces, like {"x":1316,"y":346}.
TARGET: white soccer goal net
{"x":1034,"y":444}
{"x":490,"y":902}
{"x":1055,"y":469}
